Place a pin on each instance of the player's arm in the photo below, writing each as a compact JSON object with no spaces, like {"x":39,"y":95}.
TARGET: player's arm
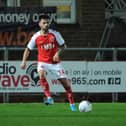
{"x":58,"y":54}
{"x":61,"y":48}
{"x":26,"y":53}
{"x":25,"y":57}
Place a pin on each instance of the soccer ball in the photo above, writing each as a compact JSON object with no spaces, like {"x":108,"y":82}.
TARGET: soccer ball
{"x":85,"y":106}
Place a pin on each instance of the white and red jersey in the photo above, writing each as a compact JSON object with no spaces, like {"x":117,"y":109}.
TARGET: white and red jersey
{"x":47,"y":45}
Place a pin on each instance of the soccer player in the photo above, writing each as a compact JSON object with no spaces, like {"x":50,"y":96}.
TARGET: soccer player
{"x":50,"y":45}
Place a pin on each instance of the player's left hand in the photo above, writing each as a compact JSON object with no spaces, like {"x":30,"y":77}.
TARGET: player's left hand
{"x":56,"y":57}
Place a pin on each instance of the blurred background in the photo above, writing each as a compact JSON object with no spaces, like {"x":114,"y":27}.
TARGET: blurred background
{"x":94,"y":30}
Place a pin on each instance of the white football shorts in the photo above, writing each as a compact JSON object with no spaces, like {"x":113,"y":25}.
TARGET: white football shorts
{"x":55,"y":70}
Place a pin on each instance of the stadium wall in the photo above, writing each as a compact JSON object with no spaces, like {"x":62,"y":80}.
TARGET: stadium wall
{"x":88,"y":29}
{"x":89,"y":26}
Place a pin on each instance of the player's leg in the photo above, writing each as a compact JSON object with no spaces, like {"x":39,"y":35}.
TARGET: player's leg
{"x":59,"y":73}
{"x":44,"y":83}
{"x":45,"y":86}
{"x":67,"y":86}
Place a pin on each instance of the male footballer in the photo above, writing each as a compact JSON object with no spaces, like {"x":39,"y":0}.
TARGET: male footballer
{"x":50,"y":45}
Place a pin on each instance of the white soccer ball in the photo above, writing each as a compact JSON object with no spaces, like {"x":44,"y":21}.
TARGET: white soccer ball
{"x":85,"y":106}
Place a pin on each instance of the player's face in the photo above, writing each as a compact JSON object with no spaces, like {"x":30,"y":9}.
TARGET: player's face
{"x":44,"y":24}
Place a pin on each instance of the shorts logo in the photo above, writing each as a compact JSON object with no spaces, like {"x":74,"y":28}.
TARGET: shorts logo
{"x":32,"y":72}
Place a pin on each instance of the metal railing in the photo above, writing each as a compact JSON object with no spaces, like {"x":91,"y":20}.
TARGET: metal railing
{"x":115,"y":4}
{"x":114,"y":51}
{"x":99,"y":50}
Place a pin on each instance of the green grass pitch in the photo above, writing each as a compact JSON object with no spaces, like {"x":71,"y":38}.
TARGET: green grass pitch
{"x":59,"y":114}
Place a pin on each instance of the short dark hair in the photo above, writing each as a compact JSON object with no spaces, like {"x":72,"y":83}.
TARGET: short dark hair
{"x":44,"y":16}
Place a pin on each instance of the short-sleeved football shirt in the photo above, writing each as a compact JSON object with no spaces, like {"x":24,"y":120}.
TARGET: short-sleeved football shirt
{"x":47,"y":45}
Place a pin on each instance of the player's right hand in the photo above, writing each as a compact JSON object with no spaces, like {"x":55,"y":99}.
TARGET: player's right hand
{"x":23,"y":65}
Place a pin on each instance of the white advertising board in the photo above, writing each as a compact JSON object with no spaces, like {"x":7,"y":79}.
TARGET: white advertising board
{"x":84,"y":77}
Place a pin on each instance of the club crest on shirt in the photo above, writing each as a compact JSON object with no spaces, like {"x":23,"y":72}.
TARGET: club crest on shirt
{"x":51,"y":38}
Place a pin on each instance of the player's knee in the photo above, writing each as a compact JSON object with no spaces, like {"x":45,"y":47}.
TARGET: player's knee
{"x":42,"y":74}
